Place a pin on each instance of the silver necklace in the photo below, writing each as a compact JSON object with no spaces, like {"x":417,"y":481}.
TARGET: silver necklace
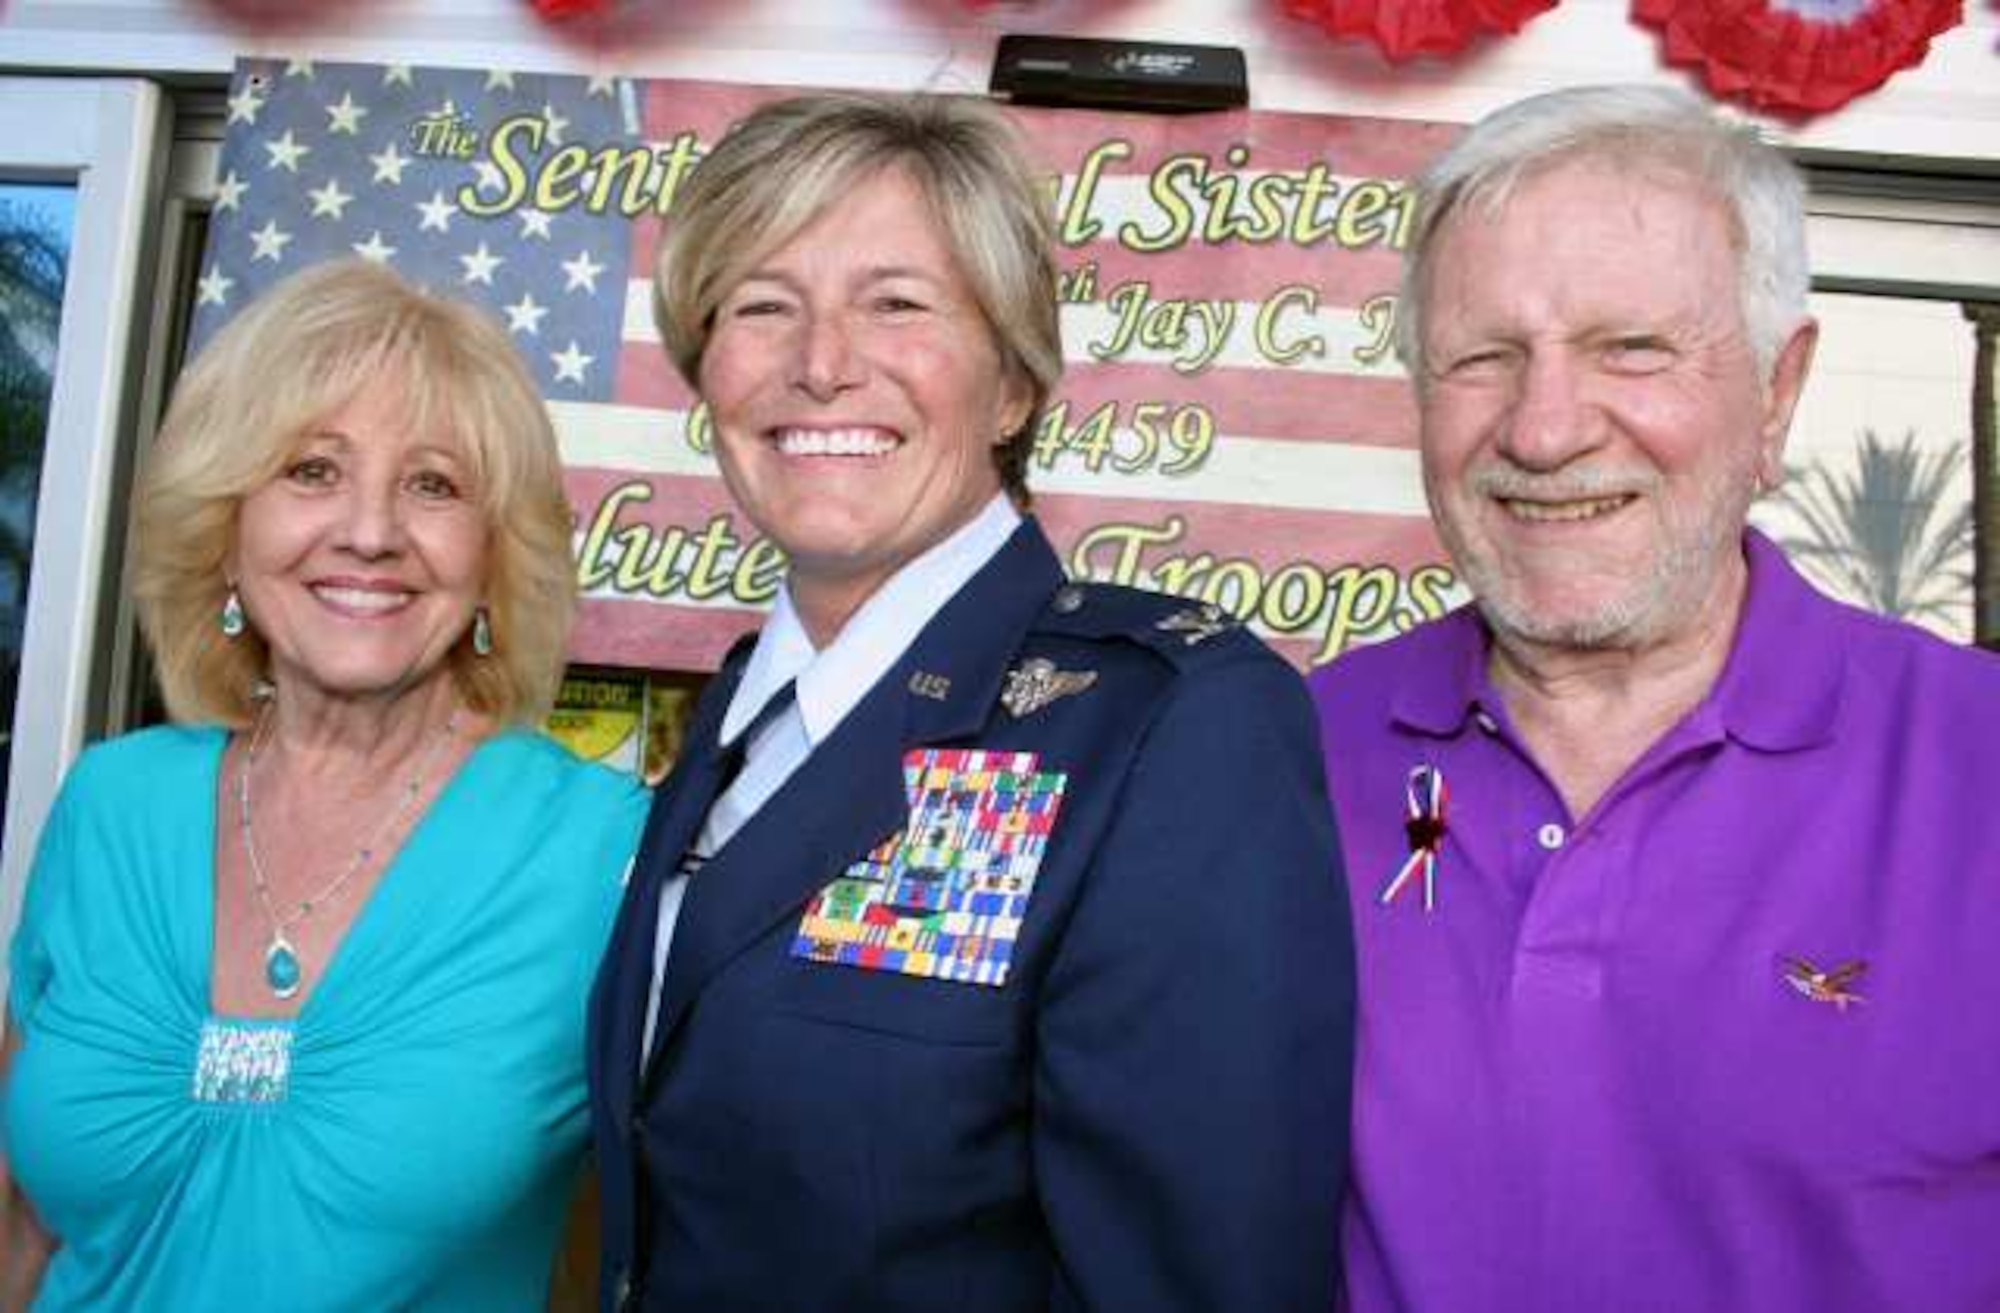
{"x":283,"y":972}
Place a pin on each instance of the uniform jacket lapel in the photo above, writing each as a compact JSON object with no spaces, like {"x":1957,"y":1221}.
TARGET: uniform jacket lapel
{"x":850,"y":795}
{"x":624,"y":987}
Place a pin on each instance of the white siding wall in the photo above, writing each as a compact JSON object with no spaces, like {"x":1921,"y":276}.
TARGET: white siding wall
{"x":1949,"y":107}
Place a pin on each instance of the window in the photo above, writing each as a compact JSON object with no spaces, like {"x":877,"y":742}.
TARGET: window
{"x":1883,"y":503}
{"x":100,"y":142}
{"x":36,"y":220}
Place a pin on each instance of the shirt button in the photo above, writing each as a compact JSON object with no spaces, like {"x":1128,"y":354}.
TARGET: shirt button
{"x":1068,"y":600}
{"x":1550,"y":836}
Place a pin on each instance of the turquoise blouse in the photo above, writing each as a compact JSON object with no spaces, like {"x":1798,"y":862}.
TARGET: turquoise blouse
{"x":408,"y":1141}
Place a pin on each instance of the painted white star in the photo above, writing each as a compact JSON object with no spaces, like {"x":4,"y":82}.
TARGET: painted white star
{"x":374,"y":250}
{"x":436,"y":212}
{"x":524,"y":316}
{"x":346,"y":115}
{"x":448,"y":110}
{"x":582,"y":272}
{"x":229,"y":192}
{"x":534,"y":223}
{"x":570,"y":363}
{"x":480,"y":264}
{"x":395,"y":73}
{"x":330,"y":201}
{"x":557,"y":123}
{"x":299,"y":68}
{"x":602,"y":84}
{"x":286,"y":152}
{"x":213,"y":289}
{"x":490,"y":177}
{"x":389,"y":164}
{"x":498,"y":79}
{"x":243,"y":106}
{"x":270,"y":242}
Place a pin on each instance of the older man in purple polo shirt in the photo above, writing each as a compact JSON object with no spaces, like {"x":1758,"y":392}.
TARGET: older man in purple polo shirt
{"x":1677,"y":884}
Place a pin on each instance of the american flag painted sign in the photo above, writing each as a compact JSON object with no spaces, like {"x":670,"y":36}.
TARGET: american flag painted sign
{"x":1232,"y":426}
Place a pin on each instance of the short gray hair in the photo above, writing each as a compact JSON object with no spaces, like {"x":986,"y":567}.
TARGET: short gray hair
{"x":1635,"y":127}
{"x":789,"y":161}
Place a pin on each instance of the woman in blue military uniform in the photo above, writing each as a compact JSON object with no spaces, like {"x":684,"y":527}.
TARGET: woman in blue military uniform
{"x":988,"y":948}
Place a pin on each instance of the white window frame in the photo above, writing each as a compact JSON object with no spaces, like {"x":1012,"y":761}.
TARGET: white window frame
{"x":108,"y":137}
{"x":1942,"y":249}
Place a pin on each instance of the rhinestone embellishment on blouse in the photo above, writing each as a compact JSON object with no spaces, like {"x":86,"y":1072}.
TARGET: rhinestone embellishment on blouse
{"x":243,"y":1062}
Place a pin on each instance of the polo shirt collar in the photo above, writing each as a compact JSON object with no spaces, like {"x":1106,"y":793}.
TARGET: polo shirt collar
{"x":1779,"y":691}
{"x":1446,"y":680}
{"x":1782,"y":688}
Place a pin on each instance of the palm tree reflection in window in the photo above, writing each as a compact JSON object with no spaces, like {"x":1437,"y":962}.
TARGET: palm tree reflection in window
{"x":1885,"y":534}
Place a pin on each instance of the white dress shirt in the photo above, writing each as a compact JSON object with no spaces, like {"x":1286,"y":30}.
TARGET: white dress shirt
{"x":828,"y":684}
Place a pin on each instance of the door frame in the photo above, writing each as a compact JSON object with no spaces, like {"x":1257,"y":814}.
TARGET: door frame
{"x":108,"y":137}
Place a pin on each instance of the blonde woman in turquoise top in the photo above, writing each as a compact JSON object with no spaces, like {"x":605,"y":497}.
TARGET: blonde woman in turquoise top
{"x":297,"y":1000}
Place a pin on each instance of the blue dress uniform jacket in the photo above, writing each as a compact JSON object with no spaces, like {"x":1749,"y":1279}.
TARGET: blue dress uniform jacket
{"x":1150,"y":1114}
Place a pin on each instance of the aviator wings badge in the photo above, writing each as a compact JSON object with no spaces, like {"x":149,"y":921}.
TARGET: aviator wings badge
{"x":1036,"y":682}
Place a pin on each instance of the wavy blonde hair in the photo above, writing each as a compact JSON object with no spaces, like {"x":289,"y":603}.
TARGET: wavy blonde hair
{"x":275,"y":373}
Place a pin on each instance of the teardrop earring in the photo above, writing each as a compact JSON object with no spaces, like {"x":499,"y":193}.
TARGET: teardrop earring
{"x":482,"y":633}
{"x":233,"y":621}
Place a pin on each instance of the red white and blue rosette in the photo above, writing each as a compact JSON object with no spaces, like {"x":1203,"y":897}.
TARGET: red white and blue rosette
{"x":1424,"y":799}
{"x":1403,"y":28}
{"x":1797,"y":55}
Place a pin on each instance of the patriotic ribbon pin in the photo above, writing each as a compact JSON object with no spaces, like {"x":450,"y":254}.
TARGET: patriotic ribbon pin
{"x":1424,"y":795}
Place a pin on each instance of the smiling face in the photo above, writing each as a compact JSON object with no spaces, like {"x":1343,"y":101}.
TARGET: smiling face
{"x":360,"y":564}
{"x":1593,"y":422}
{"x":857,"y":393}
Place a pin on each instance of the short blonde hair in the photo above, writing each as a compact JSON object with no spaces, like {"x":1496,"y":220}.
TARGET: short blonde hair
{"x":278,"y":370}
{"x":786,"y":163}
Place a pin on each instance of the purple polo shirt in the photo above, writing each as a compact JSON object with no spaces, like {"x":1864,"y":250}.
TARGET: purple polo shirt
{"x":1595,"y":1078}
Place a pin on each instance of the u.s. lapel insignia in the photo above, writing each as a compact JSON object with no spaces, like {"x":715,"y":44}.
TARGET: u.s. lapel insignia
{"x":1197,"y":624}
{"x":1834,"y":986}
{"x":1036,"y":682}
{"x":927,"y":685}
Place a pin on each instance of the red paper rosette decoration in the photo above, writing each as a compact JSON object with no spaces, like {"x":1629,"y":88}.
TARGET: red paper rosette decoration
{"x":1402,"y":28}
{"x":562,"y":9}
{"x":269,"y":18}
{"x":1809,"y":55}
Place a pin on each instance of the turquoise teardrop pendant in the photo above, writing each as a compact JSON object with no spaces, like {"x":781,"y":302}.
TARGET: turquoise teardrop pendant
{"x":281,"y":967}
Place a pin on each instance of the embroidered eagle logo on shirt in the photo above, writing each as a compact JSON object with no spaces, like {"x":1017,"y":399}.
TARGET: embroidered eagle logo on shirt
{"x":943,"y":898}
{"x":1835,"y":986}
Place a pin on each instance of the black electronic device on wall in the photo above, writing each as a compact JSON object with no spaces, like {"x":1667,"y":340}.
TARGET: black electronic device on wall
{"x":1141,"y":75}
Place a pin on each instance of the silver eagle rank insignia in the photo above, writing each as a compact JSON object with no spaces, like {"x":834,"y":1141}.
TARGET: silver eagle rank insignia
{"x":1197,"y":623}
